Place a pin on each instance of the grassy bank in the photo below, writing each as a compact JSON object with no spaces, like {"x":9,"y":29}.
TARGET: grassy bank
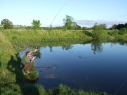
{"x":44,"y":35}
{"x":12,"y":79}
{"x":29,"y":35}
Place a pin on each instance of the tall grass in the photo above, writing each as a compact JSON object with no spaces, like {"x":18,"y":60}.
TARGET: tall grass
{"x":6,"y":49}
{"x":65,"y":90}
{"x":45,"y":35}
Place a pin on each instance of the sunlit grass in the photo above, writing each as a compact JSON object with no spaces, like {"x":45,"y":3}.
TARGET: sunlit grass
{"x":24,"y":35}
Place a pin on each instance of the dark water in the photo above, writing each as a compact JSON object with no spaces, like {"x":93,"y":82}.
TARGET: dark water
{"x":96,"y":66}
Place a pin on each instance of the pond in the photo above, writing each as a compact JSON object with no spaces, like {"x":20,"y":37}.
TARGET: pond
{"x":91,"y":66}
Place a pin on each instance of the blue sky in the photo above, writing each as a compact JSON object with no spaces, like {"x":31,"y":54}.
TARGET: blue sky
{"x":85,"y":12}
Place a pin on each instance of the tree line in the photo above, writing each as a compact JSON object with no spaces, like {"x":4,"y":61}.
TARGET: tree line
{"x":119,"y":26}
{"x":69,"y":24}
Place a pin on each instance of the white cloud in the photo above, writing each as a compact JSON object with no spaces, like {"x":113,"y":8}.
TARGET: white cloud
{"x":90,"y":23}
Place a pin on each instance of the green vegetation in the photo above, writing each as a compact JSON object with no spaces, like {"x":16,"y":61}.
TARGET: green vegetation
{"x":64,"y":90}
{"x":33,"y":75}
{"x":26,"y":36}
{"x":123,"y":31}
{"x":36,"y":24}
{"x":69,"y":22}
{"x":6,"y":24}
{"x":119,"y":26}
{"x":97,"y":31}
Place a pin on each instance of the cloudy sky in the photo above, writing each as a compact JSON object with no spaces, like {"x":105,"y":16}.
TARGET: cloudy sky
{"x":85,"y":12}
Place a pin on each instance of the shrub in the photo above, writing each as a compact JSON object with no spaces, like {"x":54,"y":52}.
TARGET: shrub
{"x":122,"y":31}
{"x":113,"y":33}
{"x":32,"y":76}
{"x":31,"y":89}
{"x":36,"y":24}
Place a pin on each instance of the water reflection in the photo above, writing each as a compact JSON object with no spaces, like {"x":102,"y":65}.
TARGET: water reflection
{"x":50,"y":48}
{"x":122,"y":43}
{"x":97,"y":46}
{"x":37,"y":54}
{"x":67,"y":47}
{"x":79,"y":66}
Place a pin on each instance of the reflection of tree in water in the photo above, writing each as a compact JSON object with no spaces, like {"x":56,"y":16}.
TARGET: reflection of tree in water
{"x":50,"y":75}
{"x":67,"y":47}
{"x":37,"y":54}
{"x":50,"y":48}
{"x":97,"y":46}
{"x":122,"y":42}
{"x":63,"y":47}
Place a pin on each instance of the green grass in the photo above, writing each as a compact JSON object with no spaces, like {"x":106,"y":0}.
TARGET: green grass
{"x":27,"y":35}
{"x":33,"y":75}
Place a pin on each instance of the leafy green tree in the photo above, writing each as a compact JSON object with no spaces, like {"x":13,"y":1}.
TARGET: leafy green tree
{"x":97,"y":31}
{"x":119,"y":26}
{"x":7,"y":24}
{"x":36,"y":24}
{"x":84,"y":28}
{"x":100,"y":26}
{"x":69,"y":22}
{"x":114,"y":26}
{"x":77,"y":27}
{"x":126,"y":25}
{"x":104,"y":26}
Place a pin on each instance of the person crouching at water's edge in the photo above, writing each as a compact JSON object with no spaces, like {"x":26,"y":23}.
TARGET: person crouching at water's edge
{"x":26,"y":62}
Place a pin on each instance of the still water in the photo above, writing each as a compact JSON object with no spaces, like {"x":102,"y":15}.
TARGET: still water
{"x":99,"y":67}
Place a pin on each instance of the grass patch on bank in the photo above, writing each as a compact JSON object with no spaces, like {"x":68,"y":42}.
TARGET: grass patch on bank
{"x":6,"y":50}
{"x":44,"y":35}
